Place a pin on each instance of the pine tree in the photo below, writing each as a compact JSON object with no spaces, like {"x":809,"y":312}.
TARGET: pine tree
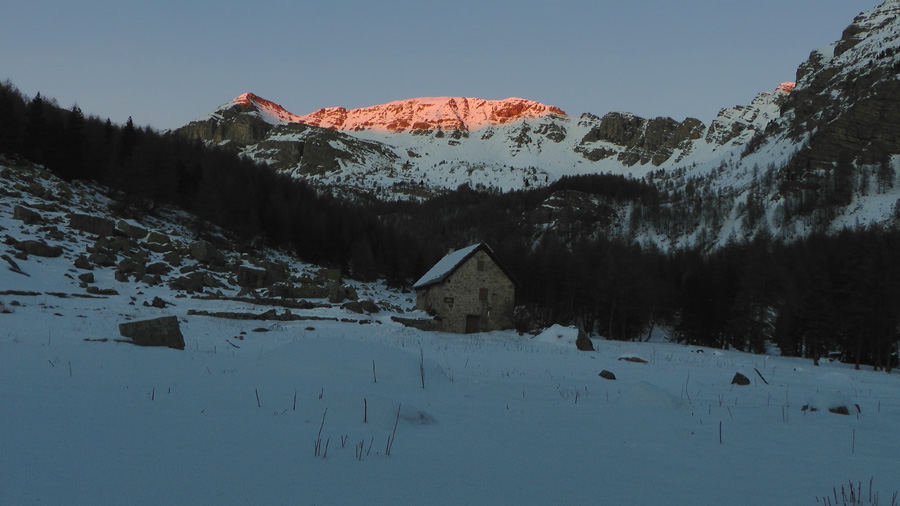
{"x":35,"y":130}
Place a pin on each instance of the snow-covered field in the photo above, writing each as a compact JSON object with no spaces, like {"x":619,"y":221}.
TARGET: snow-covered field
{"x":329,"y":412}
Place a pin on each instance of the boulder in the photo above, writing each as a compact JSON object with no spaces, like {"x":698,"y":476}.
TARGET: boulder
{"x":157,"y":238}
{"x":190,"y":283}
{"x":157,"y":302}
{"x":172,"y":258}
{"x":39,"y":248}
{"x":126,"y":266}
{"x":607,"y":375}
{"x":740,"y":380}
{"x":158,"y":268}
{"x":159,"y":248}
{"x":92,"y":224}
{"x":203,"y":251}
{"x":132,"y":231}
{"x":331,"y":274}
{"x":163,"y":331}
{"x":583,"y":342}
{"x":252,"y":277}
{"x":353,"y":306}
{"x":87,"y":277}
{"x":338,"y":293}
{"x":369,"y":307}
{"x":93,"y":290}
{"x":151,"y":279}
{"x":102,"y":259}
{"x":26,"y":215}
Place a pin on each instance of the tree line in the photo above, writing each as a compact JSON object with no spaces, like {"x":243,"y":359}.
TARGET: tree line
{"x":826,"y":296}
{"x":145,"y":168}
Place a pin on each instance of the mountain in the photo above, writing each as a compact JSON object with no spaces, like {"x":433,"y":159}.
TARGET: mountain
{"x":819,"y":153}
{"x":430,"y":114}
{"x":437,"y":144}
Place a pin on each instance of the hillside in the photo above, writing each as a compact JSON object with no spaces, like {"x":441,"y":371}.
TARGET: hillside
{"x":817,"y":155}
{"x":298,"y":399}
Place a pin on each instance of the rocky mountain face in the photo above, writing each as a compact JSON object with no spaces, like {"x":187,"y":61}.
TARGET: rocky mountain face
{"x":816,"y":154}
{"x":424,"y":115}
{"x":436,"y":144}
{"x":847,"y":100}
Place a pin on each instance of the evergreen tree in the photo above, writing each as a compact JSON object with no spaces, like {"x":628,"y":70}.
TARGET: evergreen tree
{"x":35,"y":130}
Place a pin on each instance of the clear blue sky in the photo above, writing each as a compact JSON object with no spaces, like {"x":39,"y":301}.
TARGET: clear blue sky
{"x":165,"y":63}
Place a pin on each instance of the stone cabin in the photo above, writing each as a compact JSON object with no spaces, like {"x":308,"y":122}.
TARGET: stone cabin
{"x":468,"y":291}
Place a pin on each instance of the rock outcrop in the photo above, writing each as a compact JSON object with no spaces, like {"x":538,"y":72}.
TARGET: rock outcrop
{"x":163,"y":331}
{"x":644,"y":141}
{"x":429,"y":114}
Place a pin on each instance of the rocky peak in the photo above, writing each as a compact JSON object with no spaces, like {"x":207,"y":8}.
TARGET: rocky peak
{"x":428,"y":114}
{"x":786,"y":87}
{"x":847,"y":99}
{"x":269,"y":111}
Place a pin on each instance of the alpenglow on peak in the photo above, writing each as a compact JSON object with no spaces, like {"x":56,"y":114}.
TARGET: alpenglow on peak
{"x":415,"y":114}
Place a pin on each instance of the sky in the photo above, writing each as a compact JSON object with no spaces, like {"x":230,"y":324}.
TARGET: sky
{"x":165,"y":63}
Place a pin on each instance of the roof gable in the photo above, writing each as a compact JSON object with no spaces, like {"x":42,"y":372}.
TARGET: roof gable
{"x":445,"y":266}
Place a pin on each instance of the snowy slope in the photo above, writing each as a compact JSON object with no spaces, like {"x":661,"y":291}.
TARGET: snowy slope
{"x":509,"y":144}
{"x":306,"y":411}
{"x":780,"y":151}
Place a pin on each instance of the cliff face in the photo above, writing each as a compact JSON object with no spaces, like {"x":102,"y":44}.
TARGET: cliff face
{"x":644,"y":141}
{"x":430,"y":114}
{"x":847,"y":99}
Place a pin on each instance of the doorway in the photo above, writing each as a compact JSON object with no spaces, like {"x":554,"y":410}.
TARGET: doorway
{"x":473,"y":323}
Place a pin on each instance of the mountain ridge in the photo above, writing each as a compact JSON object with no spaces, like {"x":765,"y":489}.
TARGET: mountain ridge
{"x":818,"y":153}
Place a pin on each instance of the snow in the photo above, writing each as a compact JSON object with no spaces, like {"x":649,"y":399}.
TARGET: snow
{"x":558,"y":334}
{"x":446,"y":265}
{"x":502,"y":418}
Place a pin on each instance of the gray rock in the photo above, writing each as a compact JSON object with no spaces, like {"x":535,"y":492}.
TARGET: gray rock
{"x":126,"y":266}
{"x":157,"y":238}
{"x":353,"y":306}
{"x":102,"y":259}
{"x":151,"y":279}
{"x":39,"y":248}
{"x":157,"y":302}
{"x":92,"y":224}
{"x":251,"y":277}
{"x":740,"y":380}
{"x":607,"y":375}
{"x":163,"y":331}
{"x":159,"y":268}
{"x":93,"y":290}
{"x":26,"y":215}
{"x":369,"y":307}
{"x":203,"y":251}
{"x":87,"y":277}
{"x":132,"y":231}
{"x":583,"y":342}
{"x":173,"y":258}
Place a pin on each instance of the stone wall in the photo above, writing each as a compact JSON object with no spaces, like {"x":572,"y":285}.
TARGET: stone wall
{"x":460,"y":296}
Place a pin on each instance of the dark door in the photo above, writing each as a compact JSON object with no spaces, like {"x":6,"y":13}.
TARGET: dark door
{"x":473,"y":323}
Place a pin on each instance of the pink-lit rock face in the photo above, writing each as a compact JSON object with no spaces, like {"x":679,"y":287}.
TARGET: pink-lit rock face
{"x":274,"y":112}
{"x":438,"y":113}
{"x":786,"y":87}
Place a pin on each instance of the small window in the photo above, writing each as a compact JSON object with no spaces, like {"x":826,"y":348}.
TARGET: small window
{"x":483,"y":294}
{"x":481,"y":265}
